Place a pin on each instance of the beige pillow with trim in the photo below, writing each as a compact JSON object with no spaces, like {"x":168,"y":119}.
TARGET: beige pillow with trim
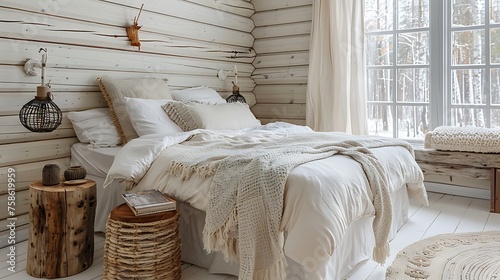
{"x":224,"y":116}
{"x":115,"y":90}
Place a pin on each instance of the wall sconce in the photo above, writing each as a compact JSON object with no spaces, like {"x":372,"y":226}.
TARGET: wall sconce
{"x":40,"y":114}
{"x":236,"y":96}
{"x":133,"y":31}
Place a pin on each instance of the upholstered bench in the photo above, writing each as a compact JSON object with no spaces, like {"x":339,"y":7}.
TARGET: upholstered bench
{"x":142,"y":247}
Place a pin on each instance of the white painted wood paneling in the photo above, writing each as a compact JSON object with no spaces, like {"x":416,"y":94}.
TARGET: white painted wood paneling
{"x":183,"y":41}
{"x":283,"y":16}
{"x":239,"y":7}
{"x":265,"y":5}
{"x":282,"y":36}
{"x":14,"y":132}
{"x":271,"y":31}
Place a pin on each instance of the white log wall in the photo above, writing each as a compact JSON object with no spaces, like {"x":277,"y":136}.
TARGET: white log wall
{"x":185,"y":41}
{"x":282,"y":35}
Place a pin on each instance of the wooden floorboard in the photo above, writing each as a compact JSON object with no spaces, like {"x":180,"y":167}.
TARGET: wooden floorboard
{"x":445,"y":214}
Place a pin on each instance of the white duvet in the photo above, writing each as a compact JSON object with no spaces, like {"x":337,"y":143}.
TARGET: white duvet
{"x":322,"y":198}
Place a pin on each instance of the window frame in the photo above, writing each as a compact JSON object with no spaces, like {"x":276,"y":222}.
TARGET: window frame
{"x":440,"y":66}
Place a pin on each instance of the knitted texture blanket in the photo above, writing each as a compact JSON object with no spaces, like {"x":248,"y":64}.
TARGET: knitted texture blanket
{"x":246,"y":196}
{"x":464,"y":139}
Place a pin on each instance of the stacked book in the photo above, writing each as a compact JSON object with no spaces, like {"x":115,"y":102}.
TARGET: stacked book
{"x":148,"y":202}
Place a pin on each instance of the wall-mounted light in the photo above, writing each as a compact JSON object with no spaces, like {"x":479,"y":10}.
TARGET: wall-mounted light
{"x":40,"y":114}
{"x":236,"y":96}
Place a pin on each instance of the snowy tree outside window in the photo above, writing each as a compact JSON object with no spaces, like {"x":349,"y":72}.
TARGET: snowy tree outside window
{"x":432,"y":63}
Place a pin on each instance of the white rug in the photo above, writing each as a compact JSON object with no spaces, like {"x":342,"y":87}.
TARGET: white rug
{"x":464,"y":256}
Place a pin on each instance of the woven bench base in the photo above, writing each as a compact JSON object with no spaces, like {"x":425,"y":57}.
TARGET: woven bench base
{"x":148,"y":250}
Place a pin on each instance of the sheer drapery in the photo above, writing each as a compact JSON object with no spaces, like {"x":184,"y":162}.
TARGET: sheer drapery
{"x":336,"y":84}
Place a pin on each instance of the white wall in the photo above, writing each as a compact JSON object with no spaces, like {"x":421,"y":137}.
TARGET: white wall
{"x":282,"y":34}
{"x":183,"y":41}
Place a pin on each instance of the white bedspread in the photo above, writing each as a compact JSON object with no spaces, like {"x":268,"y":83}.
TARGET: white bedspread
{"x":321,"y":197}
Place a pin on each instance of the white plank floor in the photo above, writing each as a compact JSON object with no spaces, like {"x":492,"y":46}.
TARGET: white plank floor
{"x":446,"y":214}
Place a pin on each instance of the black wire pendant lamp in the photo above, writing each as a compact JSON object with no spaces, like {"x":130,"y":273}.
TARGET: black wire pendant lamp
{"x":41,"y":114}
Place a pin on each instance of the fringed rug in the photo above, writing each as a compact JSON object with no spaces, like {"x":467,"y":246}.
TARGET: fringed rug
{"x":466,"y":256}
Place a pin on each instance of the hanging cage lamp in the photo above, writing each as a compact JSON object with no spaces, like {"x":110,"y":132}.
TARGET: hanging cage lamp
{"x":41,"y":114}
{"x":236,"y":96}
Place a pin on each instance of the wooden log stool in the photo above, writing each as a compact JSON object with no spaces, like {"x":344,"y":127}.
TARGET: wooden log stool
{"x":142,"y":247}
{"x":61,"y":239}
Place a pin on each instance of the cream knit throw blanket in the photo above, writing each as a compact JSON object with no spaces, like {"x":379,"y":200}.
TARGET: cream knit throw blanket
{"x":464,"y":139}
{"x":246,"y":197}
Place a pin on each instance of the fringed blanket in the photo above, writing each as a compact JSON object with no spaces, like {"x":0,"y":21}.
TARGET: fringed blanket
{"x":246,"y":197}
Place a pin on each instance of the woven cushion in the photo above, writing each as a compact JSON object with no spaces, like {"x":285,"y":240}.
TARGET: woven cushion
{"x":464,"y":139}
{"x":226,"y":116}
{"x":115,"y":90}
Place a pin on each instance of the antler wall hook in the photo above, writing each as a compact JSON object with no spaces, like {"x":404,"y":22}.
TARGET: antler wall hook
{"x":133,"y":31}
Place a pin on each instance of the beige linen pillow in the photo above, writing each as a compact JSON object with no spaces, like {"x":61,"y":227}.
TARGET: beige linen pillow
{"x":115,"y":90}
{"x":224,"y":116}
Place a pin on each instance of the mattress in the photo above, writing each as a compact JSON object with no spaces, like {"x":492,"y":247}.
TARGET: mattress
{"x":97,"y":163}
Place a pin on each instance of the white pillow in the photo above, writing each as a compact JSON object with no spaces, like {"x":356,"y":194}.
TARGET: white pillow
{"x":227,"y":116}
{"x":198,"y":94}
{"x":95,"y":126}
{"x":147,"y":116}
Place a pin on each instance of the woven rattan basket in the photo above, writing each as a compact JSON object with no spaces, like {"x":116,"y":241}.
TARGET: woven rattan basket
{"x":142,"y":247}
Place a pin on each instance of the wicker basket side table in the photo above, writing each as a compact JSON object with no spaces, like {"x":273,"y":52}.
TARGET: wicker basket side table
{"x":142,"y":247}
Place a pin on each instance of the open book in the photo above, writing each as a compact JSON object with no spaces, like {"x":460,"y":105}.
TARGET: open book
{"x":150,"y":201}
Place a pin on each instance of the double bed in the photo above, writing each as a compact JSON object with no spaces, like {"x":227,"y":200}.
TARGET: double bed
{"x":326,"y":225}
{"x":259,"y":201}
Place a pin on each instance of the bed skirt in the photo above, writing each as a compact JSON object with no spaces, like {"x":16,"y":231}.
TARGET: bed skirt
{"x":356,"y":246}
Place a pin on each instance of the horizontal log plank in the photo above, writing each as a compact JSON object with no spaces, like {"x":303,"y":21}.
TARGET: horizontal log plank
{"x":12,"y":131}
{"x":22,"y":203}
{"x":292,"y":121}
{"x":21,"y":220}
{"x":20,"y":153}
{"x":279,"y":111}
{"x":207,"y":11}
{"x":282,"y":44}
{"x":29,"y":172}
{"x":454,"y":170}
{"x":281,"y":98}
{"x":76,"y":57}
{"x":300,"y":58}
{"x":458,"y":158}
{"x":108,"y":21}
{"x":283,"y":16}
{"x":239,"y":7}
{"x":281,"y":75}
{"x":66,"y":101}
{"x":266,"y":5}
{"x":272,"y":31}
{"x":98,"y":36}
{"x":21,"y":235}
{"x":58,"y":77}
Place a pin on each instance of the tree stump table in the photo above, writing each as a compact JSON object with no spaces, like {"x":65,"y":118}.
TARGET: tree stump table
{"x":61,"y":239}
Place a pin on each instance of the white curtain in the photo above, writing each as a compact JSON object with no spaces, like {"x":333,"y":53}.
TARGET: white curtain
{"x":336,"y":83}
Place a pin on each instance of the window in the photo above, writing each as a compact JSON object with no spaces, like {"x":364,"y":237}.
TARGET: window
{"x":432,"y":63}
